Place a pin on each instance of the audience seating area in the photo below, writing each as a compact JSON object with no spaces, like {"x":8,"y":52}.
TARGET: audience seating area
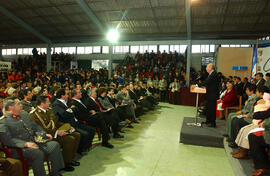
{"x":136,"y":87}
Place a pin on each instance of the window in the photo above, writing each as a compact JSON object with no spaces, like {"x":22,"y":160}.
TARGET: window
{"x":88,"y":50}
{"x":57,"y":50}
{"x":152,"y":48}
{"x":43,"y":50}
{"x":4,"y":52}
{"x":20,"y":51}
{"x":174,"y":48}
{"x":143,"y":48}
{"x":225,"y":46}
{"x":8,"y":51}
{"x":96,"y":49}
{"x":80,"y":50}
{"x":183,"y":48}
{"x":65,"y":49}
{"x":71,"y":50}
{"x":134,"y":49}
{"x":120,"y":49}
{"x":98,"y":64}
{"x":196,"y":49}
{"x":105,"y":49}
{"x":25,"y":51}
{"x":245,"y":46}
{"x":212,"y":48}
{"x":204,"y":48}
{"x":163,"y":48}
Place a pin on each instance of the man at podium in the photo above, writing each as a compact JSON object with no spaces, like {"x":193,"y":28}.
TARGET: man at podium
{"x":211,"y":83}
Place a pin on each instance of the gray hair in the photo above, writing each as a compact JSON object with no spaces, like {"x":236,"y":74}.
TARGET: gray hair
{"x":212,"y":65}
{"x":8,"y":102}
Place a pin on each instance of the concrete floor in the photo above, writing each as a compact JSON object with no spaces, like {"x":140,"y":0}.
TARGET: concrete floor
{"x":152,"y":148}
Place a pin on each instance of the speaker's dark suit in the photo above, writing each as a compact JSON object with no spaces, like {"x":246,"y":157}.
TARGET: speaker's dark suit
{"x":82,"y":113}
{"x":212,"y":93}
{"x":87,"y":132}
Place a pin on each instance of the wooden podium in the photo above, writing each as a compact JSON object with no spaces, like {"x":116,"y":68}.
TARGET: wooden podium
{"x":197,"y":90}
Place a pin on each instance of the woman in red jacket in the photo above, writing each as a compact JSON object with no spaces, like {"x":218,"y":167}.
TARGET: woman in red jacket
{"x":228,"y":99}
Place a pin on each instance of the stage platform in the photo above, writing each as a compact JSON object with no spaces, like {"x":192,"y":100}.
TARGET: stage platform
{"x":202,"y":136}
{"x":212,"y":137}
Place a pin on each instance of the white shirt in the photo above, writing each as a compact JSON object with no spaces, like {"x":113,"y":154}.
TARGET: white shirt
{"x":63,"y":101}
{"x":80,"y":102}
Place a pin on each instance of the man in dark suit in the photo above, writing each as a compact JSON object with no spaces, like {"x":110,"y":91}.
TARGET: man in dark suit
{"x":17,"y":129}
{"x":259,"y":80}
{"x":65,"y":114}
{"x":111,"y":119}
{"x":239,"y":86}
{"x":83,"y":114}
{"x":211,"y":84}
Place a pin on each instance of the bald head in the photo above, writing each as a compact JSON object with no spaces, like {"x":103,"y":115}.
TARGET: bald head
{"x":210,"y":67}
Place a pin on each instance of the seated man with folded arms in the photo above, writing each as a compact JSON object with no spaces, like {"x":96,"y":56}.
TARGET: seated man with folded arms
{"x":17,"y":129}
{"x":43,"y":115}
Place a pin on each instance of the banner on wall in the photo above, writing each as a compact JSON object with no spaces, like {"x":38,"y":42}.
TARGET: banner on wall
{"x":5,"y":66}
{"x":260,"y":60}
{"x":263,"y":58}
{"x":73,"y":65}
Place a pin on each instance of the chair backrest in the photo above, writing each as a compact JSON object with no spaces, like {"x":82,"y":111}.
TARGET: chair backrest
{"x":240,"y":102}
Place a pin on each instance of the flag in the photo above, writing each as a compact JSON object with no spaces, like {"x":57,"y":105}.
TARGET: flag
{"x":254,"y":63}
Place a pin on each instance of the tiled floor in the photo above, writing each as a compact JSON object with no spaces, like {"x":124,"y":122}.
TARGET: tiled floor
{"x":152,"y":148}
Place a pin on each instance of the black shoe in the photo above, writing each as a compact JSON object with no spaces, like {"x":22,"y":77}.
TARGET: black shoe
{"x":130,"y":126}
{"x":225,"y":135}
{"x":205,"y":123}
{"x":68,"y":168}
{"x":233,"y":145}
{"x":75,"y":163}
{"x":212,"y":125}
{"x":118,"y":136}
{"x":107,"y":145}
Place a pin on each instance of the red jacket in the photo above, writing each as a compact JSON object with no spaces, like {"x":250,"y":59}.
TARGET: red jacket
{"x":229,"y":99}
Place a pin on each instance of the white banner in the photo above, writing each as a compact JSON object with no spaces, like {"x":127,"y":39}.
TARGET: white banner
{"x":73,"y":65}
{"x":5,"y":66}
{"x":263,"y":60}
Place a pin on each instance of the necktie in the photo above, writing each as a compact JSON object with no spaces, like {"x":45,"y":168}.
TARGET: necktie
{"x":98,"y":105}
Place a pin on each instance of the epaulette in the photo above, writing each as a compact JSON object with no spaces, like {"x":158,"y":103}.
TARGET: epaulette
{"x":32,"y":111}
{"x":2,"y":117}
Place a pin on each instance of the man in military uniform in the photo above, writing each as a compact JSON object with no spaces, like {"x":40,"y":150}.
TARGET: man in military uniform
{"x":43,"y":115}
{"x":17,"y":129}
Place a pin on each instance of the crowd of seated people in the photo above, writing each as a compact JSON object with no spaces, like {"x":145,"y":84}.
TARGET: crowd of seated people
{"x":69,"y":107}
{"x":247,"y":130}
{"x":57,"y":113}
{"x":37,"y":62}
